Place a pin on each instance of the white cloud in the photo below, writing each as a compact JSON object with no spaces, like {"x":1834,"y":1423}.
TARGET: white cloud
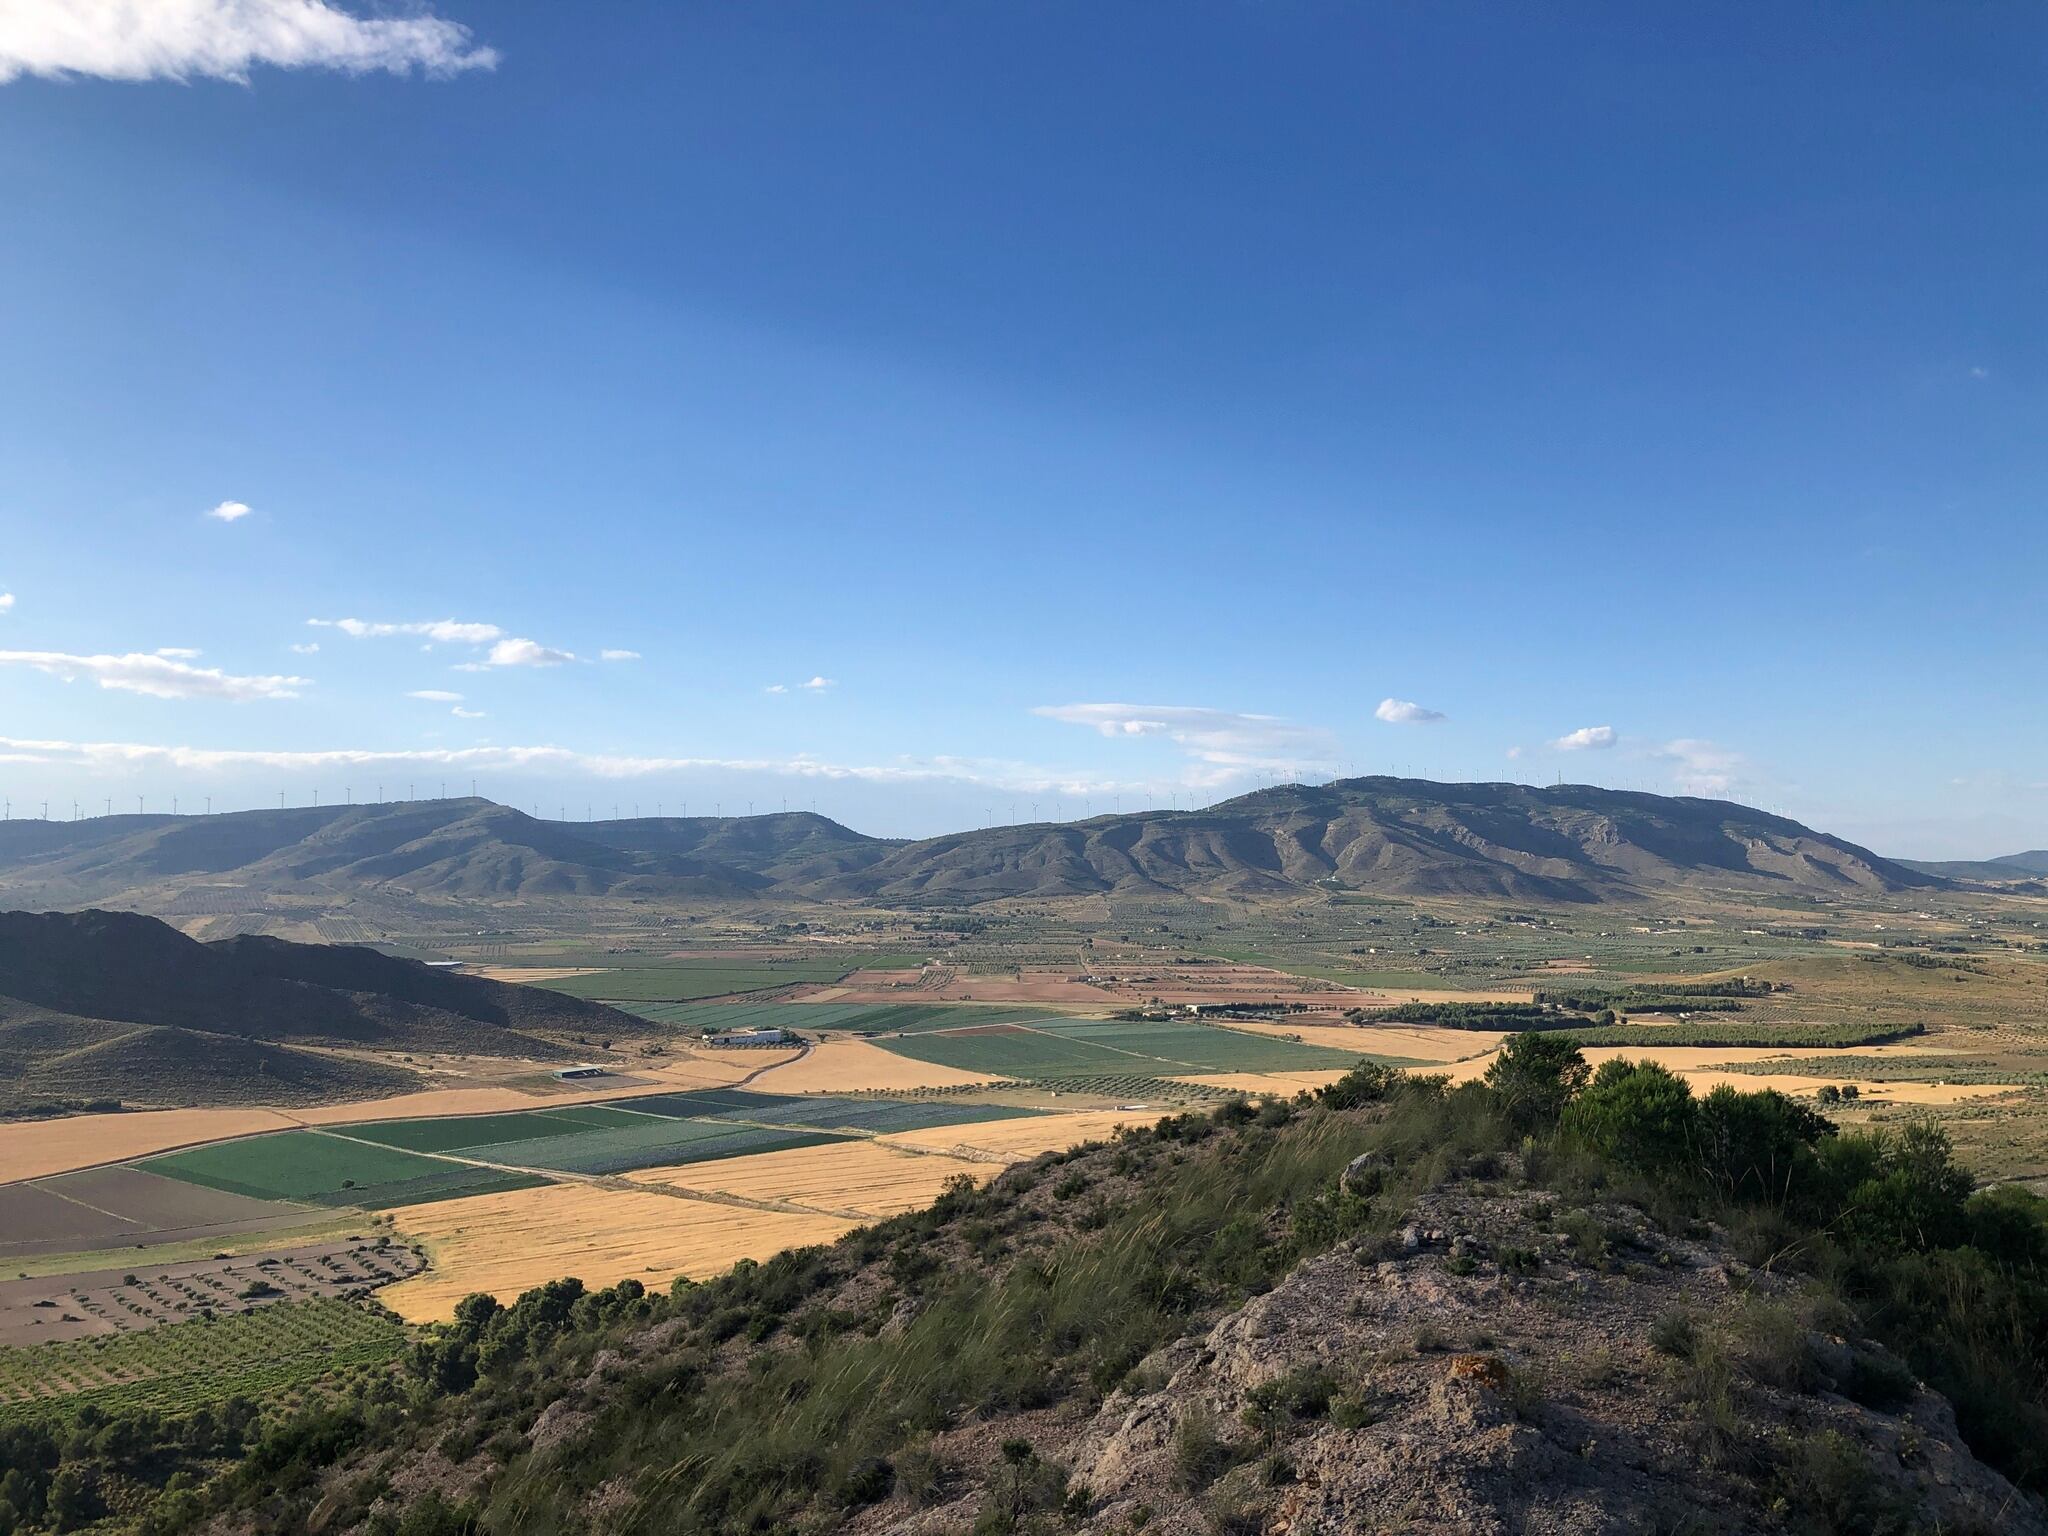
{"x":776,"y":688}
{"x":514,"y":651}
{"x":310,"y":648}
{"x":820,"y":684}
{"x":223,"y":40}
{"x":176,"y":652}
{"x":6,"y":602}
{"x":466,"y":714}
{"x":1227,"y":741}
{"x":440,"y":631}
{"x":1701,"y":767}
{"x":1406,"y":712}
{"x":130,"y":757}
{"x":229,"y":511}
{"x":159,"y":676}
{"x":435,"y":695}
{"x":1514,"y":751}
{"x":611,"y":655}
{"x":1588,"y":738}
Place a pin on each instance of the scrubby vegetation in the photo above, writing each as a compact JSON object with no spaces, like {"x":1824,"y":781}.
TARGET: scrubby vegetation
{"x":786,"y":1394}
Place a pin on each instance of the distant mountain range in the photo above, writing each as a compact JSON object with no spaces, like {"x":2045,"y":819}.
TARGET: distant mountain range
{"x":115,"y":1005}
{"x":1398,"y":837}
{"x":2028,"y":866}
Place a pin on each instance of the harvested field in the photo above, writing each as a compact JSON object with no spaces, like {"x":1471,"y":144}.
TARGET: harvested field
{"x":1013,"y":1141}
{"x":1416,"y":1042}
{"x":844,"y":1066}
{"x":1689,"y":1061}
{"x":34,"y":1148}
{"x":127,"y":1207}
{"x":534,"y":973}
{"x":864,"y":1179}
{"x":509,"y":1243}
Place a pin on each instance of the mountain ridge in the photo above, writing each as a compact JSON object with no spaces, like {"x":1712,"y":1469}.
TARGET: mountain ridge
{"x":1402,"y":837}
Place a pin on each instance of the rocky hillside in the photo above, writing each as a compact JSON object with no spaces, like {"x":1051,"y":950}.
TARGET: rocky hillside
{"x":114,"y":1005}
{"x":1397,"y":1308}
{"x":1395,"y":836}
{"x":1391,"y":836}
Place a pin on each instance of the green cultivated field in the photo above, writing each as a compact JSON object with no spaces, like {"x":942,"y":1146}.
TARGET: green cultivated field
{"x":480,"y":1133}
{"x":330,"y":1170}
{"x":1103,"y":1048}
{"x":183,"y":1365}
{"x":662,"y":1143}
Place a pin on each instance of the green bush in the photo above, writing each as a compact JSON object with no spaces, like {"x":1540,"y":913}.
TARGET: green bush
{"x":1535,"y":1076}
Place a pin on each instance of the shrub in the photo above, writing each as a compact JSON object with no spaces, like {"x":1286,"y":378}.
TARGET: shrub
{"x":1636,"y":1114}
{"x":1674,"y":1333}
{"x":1535,"y":1076}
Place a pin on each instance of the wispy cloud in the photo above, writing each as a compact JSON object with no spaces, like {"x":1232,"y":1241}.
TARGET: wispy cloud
{"x":1701,"y":767}
{"x":132,"y":757}
{"x":466,"y":714}
{"x":161,"y":676}
{"x":1228,"y":741}
{"x":1588,"y":738}
{"x":435,"y":695}
{"x":613,"y":655}
{"x":6,"y":602}
{"x":439,"y":631}
{"x":224,"y":40}
{"x":1406,"y":712}
{"x":776,"y":688}
{"x":819,"y":684}
{"x":229,"y":511}
{"x":177,"y":652}
{"x":310,"y":648}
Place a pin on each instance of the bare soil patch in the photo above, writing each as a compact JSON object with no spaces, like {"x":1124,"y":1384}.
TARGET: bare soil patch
{"x":144,"y":1295}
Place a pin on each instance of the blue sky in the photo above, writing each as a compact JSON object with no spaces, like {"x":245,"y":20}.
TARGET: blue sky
{"x":1136,"y":401}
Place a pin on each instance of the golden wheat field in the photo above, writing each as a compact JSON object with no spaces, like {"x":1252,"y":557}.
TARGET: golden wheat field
{"x":508,"y":1243}
{"x":1015,"y":1140}
{"x":1418,"y":1042}
{"x":864,"y":1179}
{"x":32,"y":1149}
{"x":840,"y":1066}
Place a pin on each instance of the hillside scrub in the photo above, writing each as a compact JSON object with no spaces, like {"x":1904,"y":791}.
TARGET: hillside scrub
{"x":795,"y":1393}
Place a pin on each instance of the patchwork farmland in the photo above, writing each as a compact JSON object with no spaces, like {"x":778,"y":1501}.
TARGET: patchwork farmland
{"x":1076,"y":1048}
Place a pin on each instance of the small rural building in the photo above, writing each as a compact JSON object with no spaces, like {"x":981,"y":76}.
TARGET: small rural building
{"x":753,"y":1037}
{"x":576,"y":1074}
